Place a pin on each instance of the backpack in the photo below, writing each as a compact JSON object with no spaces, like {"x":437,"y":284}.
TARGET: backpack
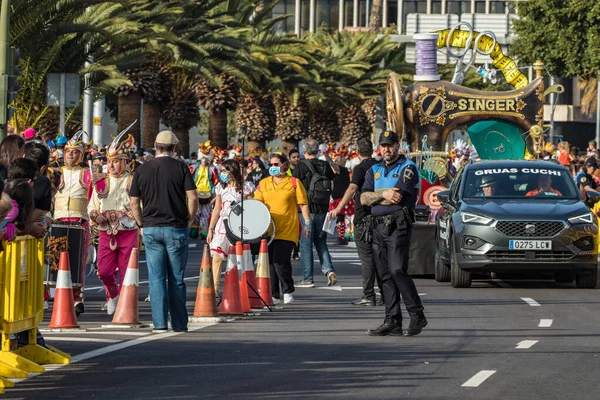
{"x":319,"y":188}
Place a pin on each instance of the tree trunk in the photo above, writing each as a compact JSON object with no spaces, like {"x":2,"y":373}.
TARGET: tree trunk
{"x":255,"y":146}
{"x":217,"y":127}
{"x":287,"y":145}
{"x":376,"y":17}
{"x":128,"y":111}
{"x":184,"y":141}
{"x":151,"y":115}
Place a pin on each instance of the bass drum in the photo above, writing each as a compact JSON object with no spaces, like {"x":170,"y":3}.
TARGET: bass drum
{"x":257,"y":223}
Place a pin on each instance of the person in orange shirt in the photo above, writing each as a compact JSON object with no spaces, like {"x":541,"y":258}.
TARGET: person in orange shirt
{"x":544,"y":186}
{"x":283,"y":194}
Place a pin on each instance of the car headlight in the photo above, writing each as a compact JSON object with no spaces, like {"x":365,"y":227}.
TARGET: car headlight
{"x":587,"y":218}
{"x":468,"y":218}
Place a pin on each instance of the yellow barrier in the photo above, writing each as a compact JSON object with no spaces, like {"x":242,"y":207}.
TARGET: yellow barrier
{"x":22,"y":309}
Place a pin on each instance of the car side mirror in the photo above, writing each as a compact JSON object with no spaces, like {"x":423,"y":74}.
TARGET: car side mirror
{"x":444,"y":196}
{"x":592,"y":194}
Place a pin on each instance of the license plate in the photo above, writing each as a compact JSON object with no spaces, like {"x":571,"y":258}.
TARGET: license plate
{"x":530,"y":244}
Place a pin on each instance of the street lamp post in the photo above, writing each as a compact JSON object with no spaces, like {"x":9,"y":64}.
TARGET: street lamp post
{"x":4,"y":44}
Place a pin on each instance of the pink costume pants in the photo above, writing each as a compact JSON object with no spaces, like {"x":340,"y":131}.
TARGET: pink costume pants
{"x":109,"y":260}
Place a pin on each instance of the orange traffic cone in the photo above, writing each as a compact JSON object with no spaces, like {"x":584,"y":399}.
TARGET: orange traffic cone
{"x":63,"y":314}
{"x":231,"y":303}
{"x":263,"y":274}
{"x":128,"y":311}
{"x":241,"y":262}
{"x":206,"y":303}
{"x":255,"y":301}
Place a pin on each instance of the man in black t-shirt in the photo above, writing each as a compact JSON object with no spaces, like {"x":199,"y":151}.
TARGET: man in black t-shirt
{"x":318,"y":212}
{"x":160,"y":187}
{"x":362,"y":226}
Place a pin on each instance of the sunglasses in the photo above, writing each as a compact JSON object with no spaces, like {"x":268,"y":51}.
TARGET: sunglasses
{"x":274,"y":165}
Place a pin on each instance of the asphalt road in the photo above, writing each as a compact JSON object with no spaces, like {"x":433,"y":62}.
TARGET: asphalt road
{"x":498,"y":339}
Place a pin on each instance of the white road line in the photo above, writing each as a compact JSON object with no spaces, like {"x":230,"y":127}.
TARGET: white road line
{"x":526,"y":344}
{"x":531,"y":301}
{"x":97,"y":331}
{"x":115,"y":347}
{"x":80,"y":339}
{"x":141,"y":283}
{"x":545,"y":323}
{"x":478,"y":378}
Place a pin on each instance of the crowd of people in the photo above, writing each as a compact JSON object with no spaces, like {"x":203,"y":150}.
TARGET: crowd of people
{"x":119,"y":197}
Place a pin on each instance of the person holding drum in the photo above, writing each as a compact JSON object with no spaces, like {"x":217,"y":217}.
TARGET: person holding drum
{"x":283,"y":194}
{"x":227,"y":193}
{"x":70,"y":206}
{"x":109,"y":209}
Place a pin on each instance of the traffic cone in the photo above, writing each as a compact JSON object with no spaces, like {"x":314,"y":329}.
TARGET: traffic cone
{"x":241,"y":262}
{"x":231,"y":303}
{"x":128,"y":310}
{"x":206,"y":303}
{"x":63,"y":314}
{"x":253,"y":296}
{"x":263,"y":274}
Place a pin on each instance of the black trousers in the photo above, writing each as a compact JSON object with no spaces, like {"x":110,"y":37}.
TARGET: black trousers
{"x":367,"y":262}
{"x":391,"y":258}
{"x":280,"y":261}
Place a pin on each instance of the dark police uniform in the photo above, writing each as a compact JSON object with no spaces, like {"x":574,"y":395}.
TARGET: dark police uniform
{"x":391,"y":239}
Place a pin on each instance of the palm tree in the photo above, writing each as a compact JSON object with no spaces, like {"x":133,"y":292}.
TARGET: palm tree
{"x":348,"y":68}
{"x":181,"y":112}
{"x":278,"y":85}
{"x":60,"y":36}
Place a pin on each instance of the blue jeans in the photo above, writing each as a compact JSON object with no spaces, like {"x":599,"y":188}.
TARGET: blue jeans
{"x":319,"y":238}
{"x":166,"y":256}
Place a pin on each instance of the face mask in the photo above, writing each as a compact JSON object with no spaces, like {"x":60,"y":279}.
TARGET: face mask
{"x":224,"y":177}
{"x":274,"y":171}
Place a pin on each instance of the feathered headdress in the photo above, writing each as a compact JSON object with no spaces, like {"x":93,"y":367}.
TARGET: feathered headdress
{"x":121,"y":145}
{"x":77,"y":143}
{"x":205,"y":151}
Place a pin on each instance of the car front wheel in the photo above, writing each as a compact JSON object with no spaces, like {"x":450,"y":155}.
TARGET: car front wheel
{"x":459,"y":278}
{"x":442,"y":270}
{"x":586,"y":279}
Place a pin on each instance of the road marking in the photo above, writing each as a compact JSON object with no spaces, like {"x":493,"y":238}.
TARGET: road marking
{"x":80,"y":339}
{"x":115,"y":347}
{"x":526,"y":344}
{"x":478,"y":378}
{"x":97,"y":331}
{"x":141,"y":283}
{"x":336,"y":288}
{"x":530,"y":301}
{"x":545,"y":323}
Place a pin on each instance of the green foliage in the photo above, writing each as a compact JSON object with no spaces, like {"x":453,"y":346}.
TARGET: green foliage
{"x":564,"y":34}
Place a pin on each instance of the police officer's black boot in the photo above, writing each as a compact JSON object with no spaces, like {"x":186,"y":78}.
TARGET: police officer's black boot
{"x":389,"y":327}
{"x":417,"y":323}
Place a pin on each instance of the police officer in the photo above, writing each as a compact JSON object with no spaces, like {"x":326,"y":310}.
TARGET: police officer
{"x":586,"y":180}
{"x":362,"y":224}
{"x":390,"y":188}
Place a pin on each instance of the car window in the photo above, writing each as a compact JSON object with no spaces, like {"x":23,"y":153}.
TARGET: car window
{"x":523,"y":182}
{"x":456,"y":184}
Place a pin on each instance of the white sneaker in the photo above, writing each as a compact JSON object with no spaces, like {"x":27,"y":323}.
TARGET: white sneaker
{"x":276,"y":301}
{"x":288,"y":298}
{"x":111,"y":305}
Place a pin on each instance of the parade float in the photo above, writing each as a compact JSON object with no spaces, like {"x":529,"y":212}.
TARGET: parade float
{"x":500,"y":124}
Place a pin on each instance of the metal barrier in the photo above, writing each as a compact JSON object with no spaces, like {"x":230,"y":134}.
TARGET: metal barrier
{"x":22,"y":309}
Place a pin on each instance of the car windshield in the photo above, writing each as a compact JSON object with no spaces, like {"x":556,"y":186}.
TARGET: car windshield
{"x":519,"y":183}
